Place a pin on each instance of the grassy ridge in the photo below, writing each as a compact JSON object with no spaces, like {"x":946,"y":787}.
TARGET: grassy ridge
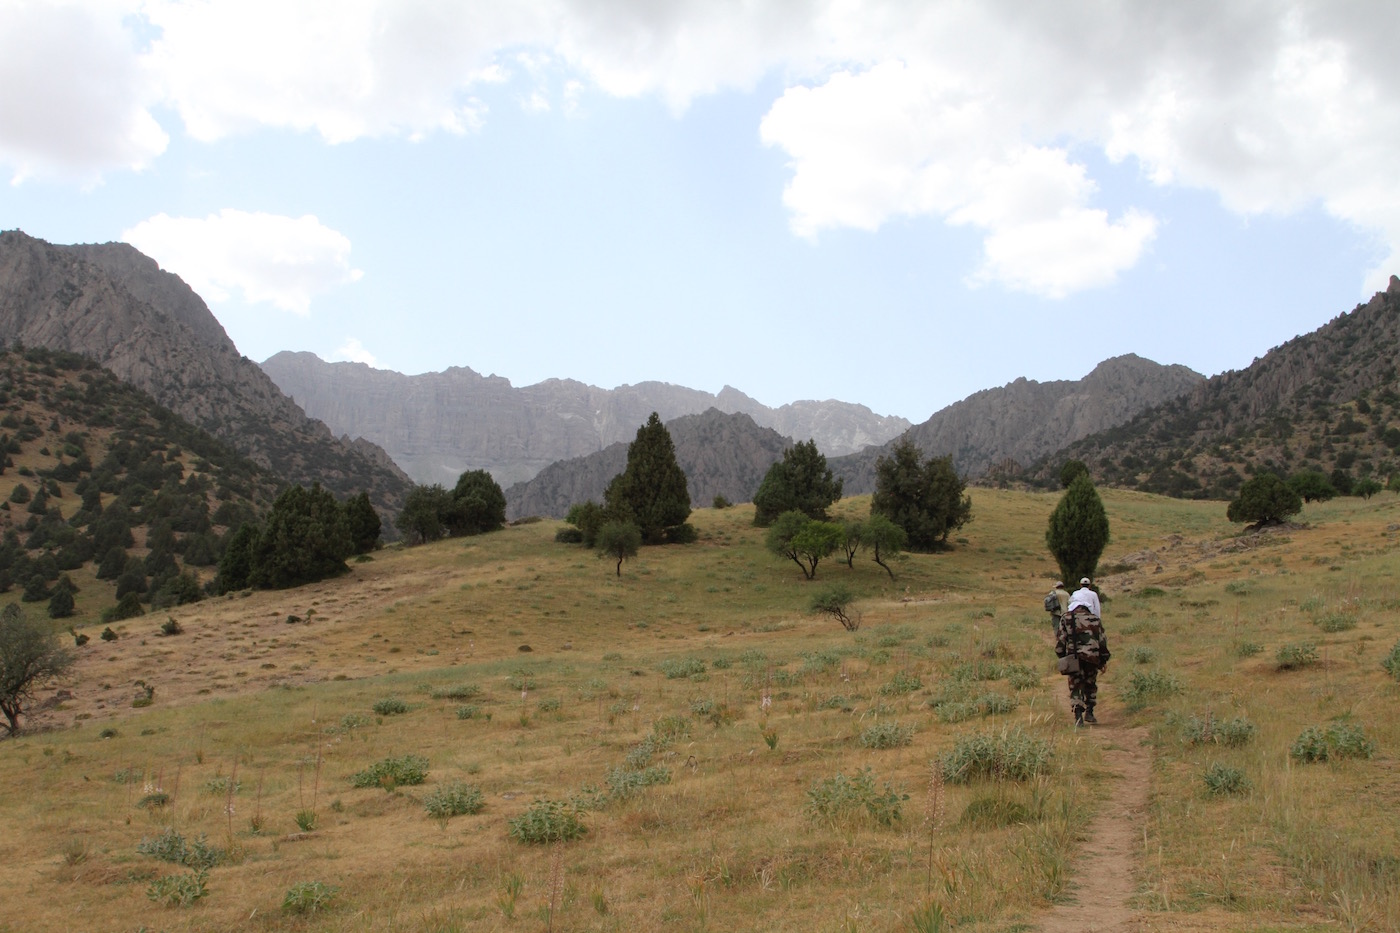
{"x":642,"y":701}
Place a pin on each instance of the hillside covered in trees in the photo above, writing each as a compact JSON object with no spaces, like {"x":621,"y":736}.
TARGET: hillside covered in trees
{"x":1326,"y":402}
{"x":106,"y":491}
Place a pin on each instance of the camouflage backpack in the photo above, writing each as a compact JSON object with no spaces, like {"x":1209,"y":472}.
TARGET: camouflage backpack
{"x":1082,"y":633}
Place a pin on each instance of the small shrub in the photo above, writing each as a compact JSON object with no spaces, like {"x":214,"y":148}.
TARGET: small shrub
{"x":1337,"y":741}
{"x":470,"y":711}
{"x":153,"y":801}
{"x":1222,"y":780}
{"x":550,"y":705}
{"x":1021,"y":677}
{"x":1142,"y":654}
{"x":569,"y":535}
{"x":623,"y":783}
{"x":1247,"y":649}
{"x":1335,"y":622}
{"x":679,"y":668}
{"x":840,"y":798}
{"x":454,"y":799}
{"x":456,"y":692}
{"x":887,"y":735}
{"x":1229,"y":732}
{"x":390,"y":706}
{"x":1391,"y":662}
{"x":1295,"y":656}
{"x":353,"y":721}
{"x":901,"y":683}
{"x":393,"y":772}
{"x":547,"y":821}
{"x":179,"y":890}
{"x":1145,"y":687}
{"x":994,"y":813}
{"x":1010,"y":755}
{"x":171,"y":627}
{"x":307,"y":897}
{"x":838,"y":701}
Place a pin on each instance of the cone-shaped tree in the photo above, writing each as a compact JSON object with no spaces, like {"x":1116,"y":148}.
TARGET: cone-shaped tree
{"x":363,"y":524}
{"x":801,"y":481}
{"x":1078,"y":530}
{"x":652,"y":491}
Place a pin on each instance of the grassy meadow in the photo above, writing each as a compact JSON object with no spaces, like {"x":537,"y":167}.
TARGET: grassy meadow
{"x":734,"y":762}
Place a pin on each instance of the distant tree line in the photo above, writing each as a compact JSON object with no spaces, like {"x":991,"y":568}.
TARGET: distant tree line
{"x":307,"y":536}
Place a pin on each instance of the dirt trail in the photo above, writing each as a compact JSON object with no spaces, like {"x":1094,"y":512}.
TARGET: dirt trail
{"x":1104,"y":872}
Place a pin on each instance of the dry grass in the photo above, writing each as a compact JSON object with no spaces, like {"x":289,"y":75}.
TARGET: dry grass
{"x":726,"y":844}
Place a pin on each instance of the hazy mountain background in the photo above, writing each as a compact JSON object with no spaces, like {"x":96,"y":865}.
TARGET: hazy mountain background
{"x":437,"y":425}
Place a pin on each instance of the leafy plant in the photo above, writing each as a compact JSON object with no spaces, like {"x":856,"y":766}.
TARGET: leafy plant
{"x":1337,"y":741}
{"x":1221,"y":780}
{"x":456,"y":692}
{"x":901,"y":683}
{"x":1391,"y":662}
{"x":679,"y":668}
{"x":1146,"y":687}
{"x":454,"y":799}
{"x":547,"y":821}
{"x":1229,"y":732}
{"x":390,"y":706}
{"x":1295,"y":655}
{"x":840,"y":798}
{"x":305,"y":820}
{"x":1333,"y":622}
{"x":887,"y":735}
{"x":390,"y":773}
{"x":623,"y":783}
{"x":307,"y":897}
{"x":179,"y":890}
{"x":1010,"y":755}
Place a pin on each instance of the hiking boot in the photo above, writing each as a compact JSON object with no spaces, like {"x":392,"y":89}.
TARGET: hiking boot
{"x":1079,"y":715}
{"x":1089,"y":717}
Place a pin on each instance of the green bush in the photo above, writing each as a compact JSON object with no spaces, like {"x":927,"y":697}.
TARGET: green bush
{"x":1010,"y":755}
{"x":988,"y":704}
{"x":623,"y":783}
{"x":179,"y":890}
{"x":469,"y":711}
{"x":547,"y":821}
{"x":1335,"y":622}
{"x":841,"y":798}
{"x":1247,"y":649}
{"x":1142,"y":654}
{"x":453,"y":799}
{"x":887,"y":735}
{"x":307,"y":897}
{"x":390,"y":706}
{"x":456,"y":692}
{"x":1294,"y":656}
{"x":1221,"y":780}
{"x":1337,"y":741}
{"x":569,"y":535}
{"x":1146,"y":687}
{"x":390,"y":773}
{"x":1229,"y":732}
{"x":678,"y":668}
{"x":1391,"y":662}
{"x":170,"y":846}
{"x":901,"y":683}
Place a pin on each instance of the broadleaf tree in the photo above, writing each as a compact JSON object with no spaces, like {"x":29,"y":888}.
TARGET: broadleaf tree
{"x":1264,"y":500}
{"x":30,"y":656}
{"x":620,"y":540}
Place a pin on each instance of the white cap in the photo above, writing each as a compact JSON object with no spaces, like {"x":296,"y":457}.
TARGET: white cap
{"x":1084,"y":582}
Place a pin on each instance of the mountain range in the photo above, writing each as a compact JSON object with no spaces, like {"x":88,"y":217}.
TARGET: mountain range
{"x":438,"y":425}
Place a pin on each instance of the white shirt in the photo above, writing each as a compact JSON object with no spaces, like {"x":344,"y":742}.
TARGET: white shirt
{"x":1087,"y":598}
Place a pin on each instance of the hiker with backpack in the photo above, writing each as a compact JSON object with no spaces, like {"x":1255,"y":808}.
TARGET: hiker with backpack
{"x":1056,"y":602}
{"x":1082,"y":647}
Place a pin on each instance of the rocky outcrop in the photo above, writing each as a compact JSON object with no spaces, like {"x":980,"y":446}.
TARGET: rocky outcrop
{"x":721,"y":454}
{"x":438,"y":425}
{"x":114,"y":305}
{"x":1025,"y":420}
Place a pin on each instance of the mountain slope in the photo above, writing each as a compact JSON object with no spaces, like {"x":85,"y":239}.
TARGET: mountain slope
{"x":110,"y":303}
{"x":721,"y":454}
{"x":437,"y":425}
{"x":1025,"y":419}
{"x":1328,"y":400}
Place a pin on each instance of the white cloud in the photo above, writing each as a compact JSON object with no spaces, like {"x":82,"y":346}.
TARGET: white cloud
{"x":354,"y":352}
{"x":76,"y":94}
{"x":283,"y":261}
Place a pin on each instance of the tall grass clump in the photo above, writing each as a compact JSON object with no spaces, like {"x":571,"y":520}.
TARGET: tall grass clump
{"x":390,"y":706}
{"x":1009,"y":755}
{"x":1146,"y":687}
{"x":1337,"y":741}
{"x":1391,"y":662}
{"x":390,"y":773}
{"x":887,"y":735}
{"x":901,"y":683}
{"x":547,"y":821}
{"x":456,"y":692}
{"x":680,"y":668}
{"x":841,"y":798}
{"x":1335,"y":622}
{"x":1229,"y":732}
{"x":307,"y":897}
{"x":1295,"y":656}
{"x":453,"y":799}
{"x":179,"y":890}
{"x":1222,"y":780}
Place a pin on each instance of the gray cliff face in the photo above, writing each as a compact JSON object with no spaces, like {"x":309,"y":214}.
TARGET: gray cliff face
{"x":721,"y":454}
{"x":1025,"y":420}
{"x":112,"y":304}
{"x":437,"y":425}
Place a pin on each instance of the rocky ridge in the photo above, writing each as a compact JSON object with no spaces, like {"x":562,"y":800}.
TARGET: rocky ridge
{"x":1011,"y":426}
{"x":437,"y":425}
{"x":114,"y":305}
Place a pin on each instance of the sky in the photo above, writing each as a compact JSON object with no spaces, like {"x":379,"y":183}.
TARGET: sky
{"x":891,"y":203}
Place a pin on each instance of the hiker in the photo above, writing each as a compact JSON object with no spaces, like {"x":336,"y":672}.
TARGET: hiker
{"x":1086,"y":595}
{"x":1082,"y":647}
{"x":1056,"y":602}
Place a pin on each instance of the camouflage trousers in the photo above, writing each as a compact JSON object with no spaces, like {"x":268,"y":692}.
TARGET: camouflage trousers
{"x":1084,"y":688}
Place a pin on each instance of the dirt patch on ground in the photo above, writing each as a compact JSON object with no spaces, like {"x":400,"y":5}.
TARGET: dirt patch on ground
{"x":1105,"y":874}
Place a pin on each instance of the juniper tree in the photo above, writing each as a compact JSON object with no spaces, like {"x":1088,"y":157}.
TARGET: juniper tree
{"x":478,"y":505}
{"x":801,"y":481}
{"x":1264,"y":500}
{"x":925,"y":499}
{"x":651,"y":491}
{"x":304,"y":540}
{"x":1078,"y":530}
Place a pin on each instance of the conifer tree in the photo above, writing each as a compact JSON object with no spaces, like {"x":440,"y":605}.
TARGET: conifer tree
{"x":925,"y":499}
{"x":801,"y":481}
{"x":1078,"y":530}
{"x":304,"y":540}
{"x":362,"y":523}
{"x":651,"y":492}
